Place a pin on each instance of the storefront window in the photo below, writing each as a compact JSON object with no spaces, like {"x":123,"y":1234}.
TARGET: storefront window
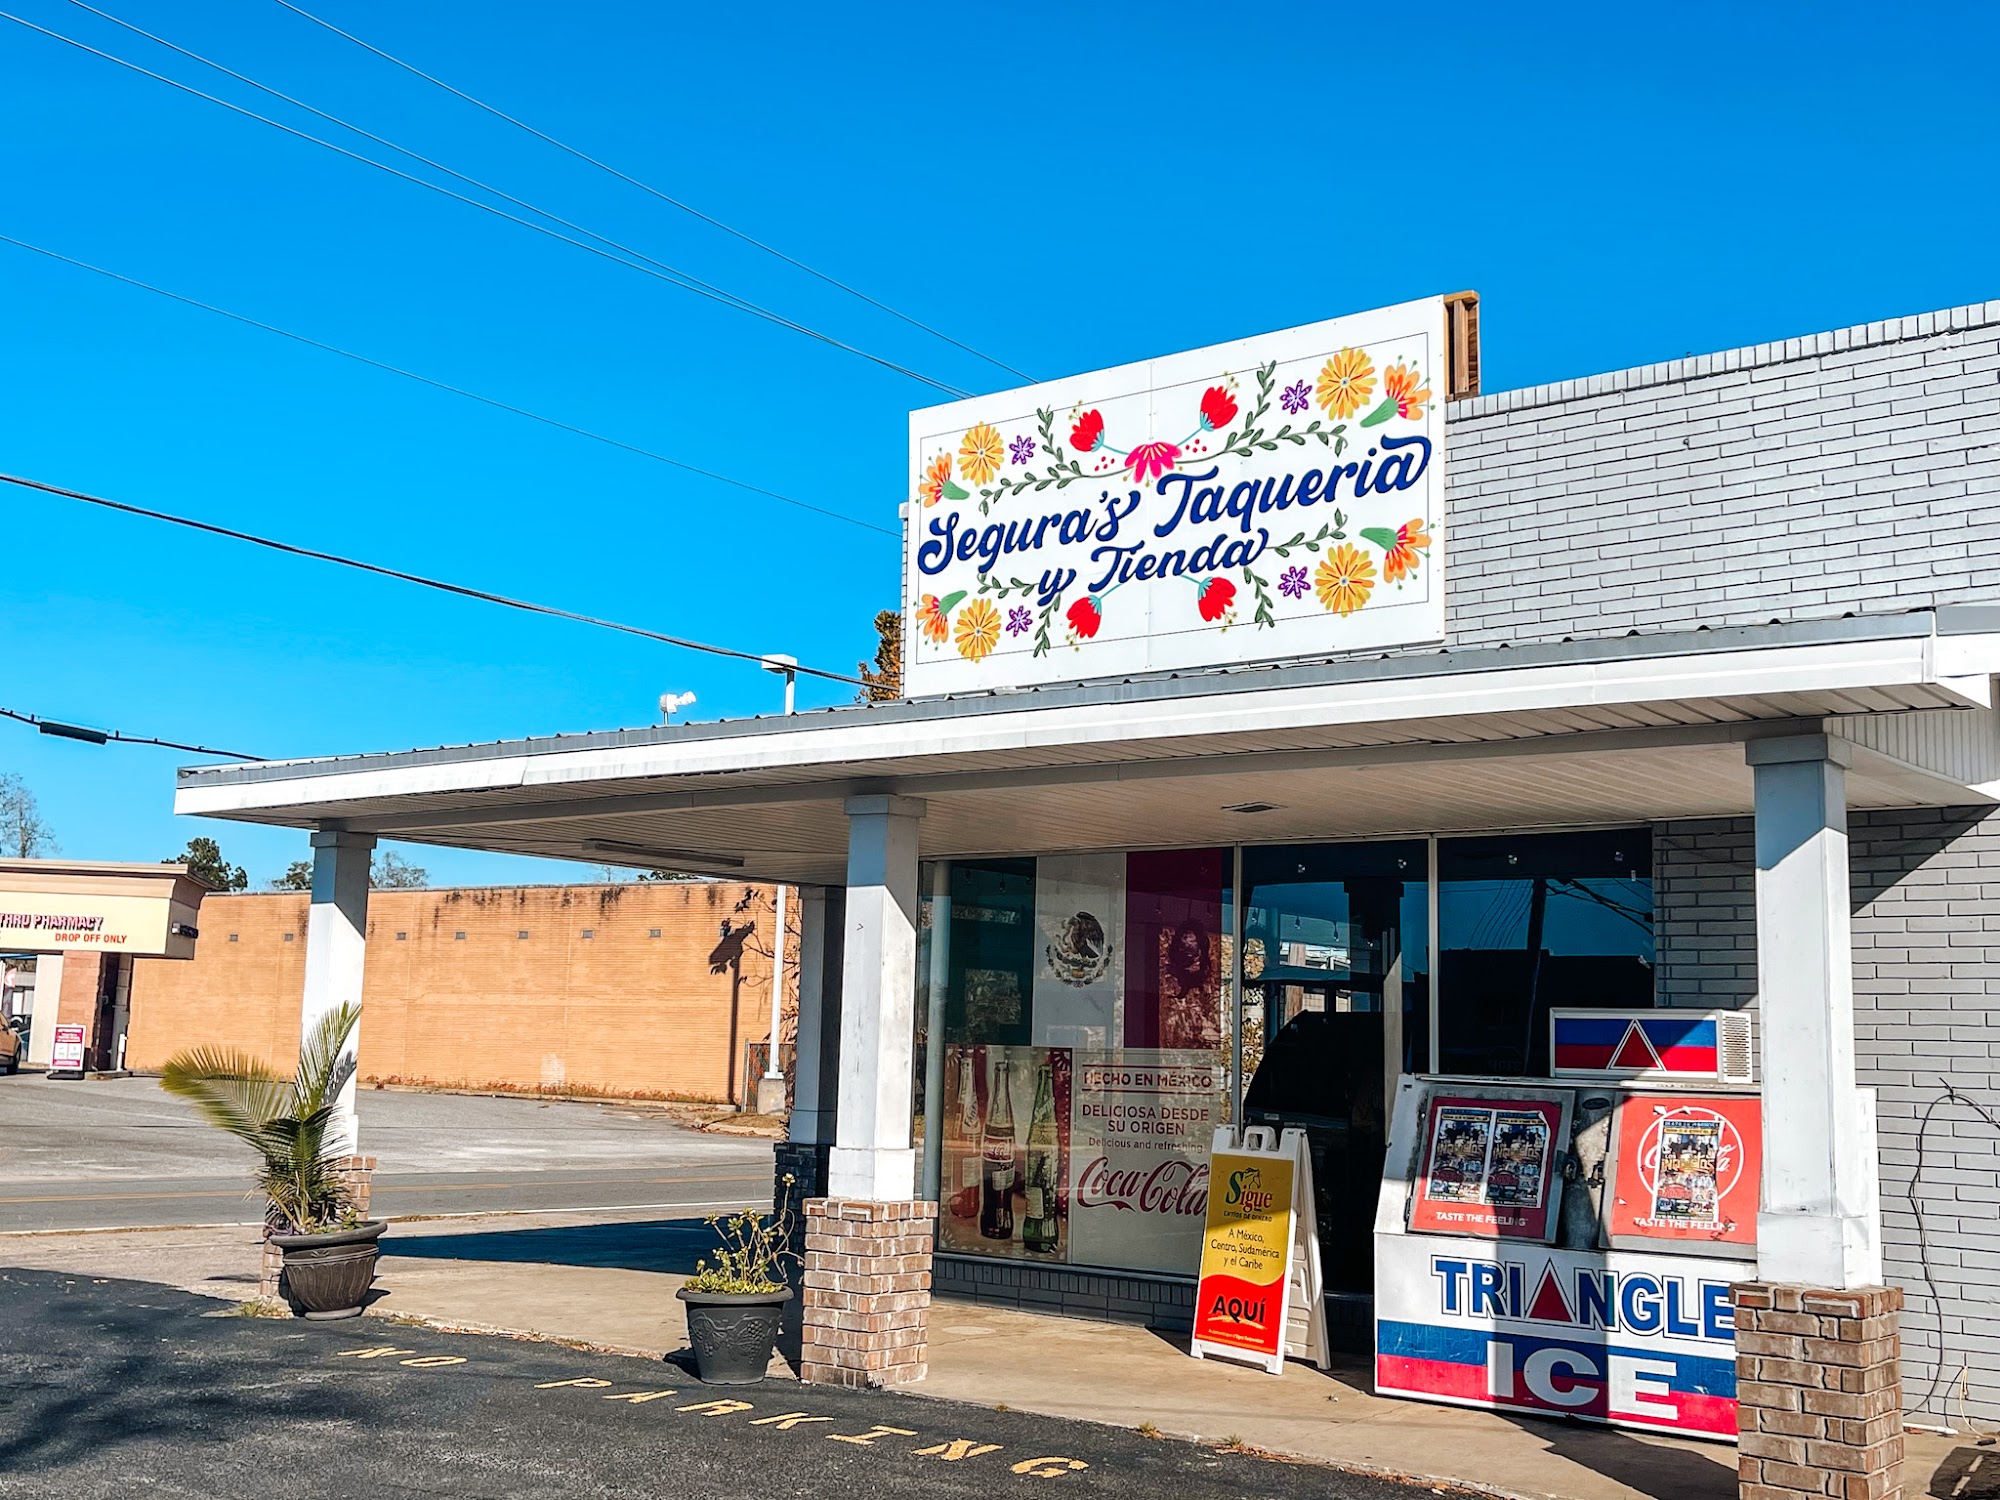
{"x":1336,"y":1003}
{"x":1533,"y":921}
{"x":1086,"y":1030}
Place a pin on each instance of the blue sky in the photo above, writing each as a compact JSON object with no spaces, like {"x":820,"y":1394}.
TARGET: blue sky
{"x":1063,"y":190}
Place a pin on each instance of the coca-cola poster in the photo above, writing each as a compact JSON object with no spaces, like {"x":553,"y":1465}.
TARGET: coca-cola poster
{"x":1004,"y":1174}
{"x":1143,"y":1123}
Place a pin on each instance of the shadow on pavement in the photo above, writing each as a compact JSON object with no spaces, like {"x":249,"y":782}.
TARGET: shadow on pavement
{"x":1652,"y":1469}
{"x":651,"y":1245}
{"x":1966,"y":1474}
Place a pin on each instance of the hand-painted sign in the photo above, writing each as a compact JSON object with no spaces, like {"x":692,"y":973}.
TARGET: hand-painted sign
{"x":1685,"y":1171}
{"x":1246,"y":1256}
{"x":66,"y":1055}
{"x":1490,"y":1166}
{"x":1279,"y":496}
{"x":1634,"y":1340}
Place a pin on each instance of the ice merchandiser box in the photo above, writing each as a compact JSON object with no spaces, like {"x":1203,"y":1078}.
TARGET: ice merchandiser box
{"x":1565,"y":1246}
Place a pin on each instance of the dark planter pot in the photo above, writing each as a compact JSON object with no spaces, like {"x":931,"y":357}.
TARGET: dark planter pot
{"x":734,"y":1334}
{"x":327,"y":1275}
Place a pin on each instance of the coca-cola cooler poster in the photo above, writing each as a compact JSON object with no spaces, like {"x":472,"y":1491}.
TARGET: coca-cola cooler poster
{"x":1173,"y":948}
{"x":1145,"y":1119}
{"x":1685,"y":1170}
{"x":1080,"y":932}
{"x":1004,"y":1173}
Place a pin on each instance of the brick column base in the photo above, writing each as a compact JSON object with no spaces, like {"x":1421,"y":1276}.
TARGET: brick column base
{"x":867,"y":1291}
{"x":358,"y":1172}
{"x":1819,"y":1394}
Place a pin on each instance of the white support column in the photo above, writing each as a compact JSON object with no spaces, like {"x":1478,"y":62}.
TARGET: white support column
{"x":872,"y":1157}
{"x":1820,"y":1224}
{"x":336,"y":949}
{"x":814,"y":1092}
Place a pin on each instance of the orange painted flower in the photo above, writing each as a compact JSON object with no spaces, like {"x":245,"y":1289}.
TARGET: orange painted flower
{"x":981,"y":454}
{"x":1401,"y":559}
{"x":936,"y":477}
{"x":1344,"y":579}
{"x":978,"y":630}
{"x":1404,"y":385}
{"x":1346,"y":382}
{"x":931,"y":615}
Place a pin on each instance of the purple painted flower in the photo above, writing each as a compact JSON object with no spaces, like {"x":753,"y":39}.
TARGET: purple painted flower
{"x":1294,"y":397}
{"x":1019,"y":620}
{"x":1021,"y":449}
{"x":1292,"y":583}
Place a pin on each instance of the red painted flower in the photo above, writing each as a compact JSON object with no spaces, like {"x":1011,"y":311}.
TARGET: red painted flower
{"x":1084,"y":617}
{"x":1088,"y":434}
{"x":1216,"y":596}
{"x":1151,"y":459}
{"x":1218,"y":408}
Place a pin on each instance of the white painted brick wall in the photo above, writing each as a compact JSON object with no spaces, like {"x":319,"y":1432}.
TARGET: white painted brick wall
{"x":1855,"y":471}
{"x":1926,"y":904}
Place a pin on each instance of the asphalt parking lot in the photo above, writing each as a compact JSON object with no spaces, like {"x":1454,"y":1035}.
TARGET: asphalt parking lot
{"x":120,"y":1153}
{"x":111,"y":1387}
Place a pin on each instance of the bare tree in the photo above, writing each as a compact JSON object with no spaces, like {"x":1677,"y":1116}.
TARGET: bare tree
{"x":884,"y":680}
{"x":24,"y":834}
{"x":391,"y":872}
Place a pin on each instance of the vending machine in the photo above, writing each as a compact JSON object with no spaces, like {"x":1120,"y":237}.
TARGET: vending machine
{"x":1565,"y":1246}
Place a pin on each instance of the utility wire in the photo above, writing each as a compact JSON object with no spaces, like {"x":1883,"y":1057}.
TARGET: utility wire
{"x":645,"y":187}
{"x":498,"y":405}
{"x":693,"y":282}
{"x":462,"y":590}
{"x":98,"y":736}
{"x":668,"y":274}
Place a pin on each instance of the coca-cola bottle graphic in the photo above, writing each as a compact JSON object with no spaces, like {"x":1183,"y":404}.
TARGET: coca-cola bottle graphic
{"x":996,"y":1205}
{"x":962,"y":1186}
{"x":1041,"y":1231}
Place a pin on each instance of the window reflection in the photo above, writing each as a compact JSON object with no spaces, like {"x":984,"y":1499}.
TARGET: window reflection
{"x":1529,"y":922}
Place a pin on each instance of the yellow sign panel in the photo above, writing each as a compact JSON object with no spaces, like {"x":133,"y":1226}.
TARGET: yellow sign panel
{"x":56,"y":906}
{"x":1245,"y":1253}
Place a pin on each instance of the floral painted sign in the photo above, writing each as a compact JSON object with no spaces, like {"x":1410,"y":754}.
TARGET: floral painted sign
{"x":1277,"y":497}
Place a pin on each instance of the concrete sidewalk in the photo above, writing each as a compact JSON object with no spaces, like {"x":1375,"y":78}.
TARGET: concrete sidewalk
{"x":609,"y":1283}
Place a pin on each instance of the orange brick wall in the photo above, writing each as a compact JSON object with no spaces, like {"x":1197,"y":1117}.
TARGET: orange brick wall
{"x":455,"y":996}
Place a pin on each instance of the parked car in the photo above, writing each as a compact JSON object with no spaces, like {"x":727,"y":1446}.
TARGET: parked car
{"x":13,"y":1044}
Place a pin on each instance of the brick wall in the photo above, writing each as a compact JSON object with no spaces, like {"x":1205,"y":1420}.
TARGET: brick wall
{"x":1926,"y":908}
{"x":590,"y":1000}
{"x":1850,"y":471}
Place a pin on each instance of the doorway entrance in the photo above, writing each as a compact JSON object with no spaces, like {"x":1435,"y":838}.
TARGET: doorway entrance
{"x":1336,"y":1002}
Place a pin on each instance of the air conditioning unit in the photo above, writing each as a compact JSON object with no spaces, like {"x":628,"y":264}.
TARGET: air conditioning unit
{"x":1665,"y":1045}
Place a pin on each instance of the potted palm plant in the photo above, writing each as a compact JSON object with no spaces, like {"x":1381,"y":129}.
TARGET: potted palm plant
{"x":329,"y":1249}
{"x":736,"y":1306}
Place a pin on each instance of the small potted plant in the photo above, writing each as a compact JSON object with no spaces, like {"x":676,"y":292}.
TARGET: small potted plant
{"x":329,"y":1249}
{"x":736,"y":1306}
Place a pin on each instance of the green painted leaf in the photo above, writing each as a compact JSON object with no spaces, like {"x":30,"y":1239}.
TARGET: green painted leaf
{"x":953,"y":492}
{"x":950,"y":602}
{"x":1381,"y":536}
{"x":1381,"y":413}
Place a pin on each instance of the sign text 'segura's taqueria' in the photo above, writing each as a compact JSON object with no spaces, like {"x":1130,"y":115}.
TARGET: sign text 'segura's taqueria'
{"x":1273,"y":497}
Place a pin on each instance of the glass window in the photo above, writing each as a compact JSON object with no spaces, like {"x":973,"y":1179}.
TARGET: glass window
{"x":1336,"y":1003}
{"x":1086,"y":1028}
{"x":1533,"y":921}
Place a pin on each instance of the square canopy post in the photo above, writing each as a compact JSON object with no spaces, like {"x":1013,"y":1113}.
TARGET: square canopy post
{"x":1818,"y":1346}
{"x":869,"y":1241}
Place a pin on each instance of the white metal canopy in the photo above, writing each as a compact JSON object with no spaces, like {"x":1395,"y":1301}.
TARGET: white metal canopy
{"x":1637,"y":728}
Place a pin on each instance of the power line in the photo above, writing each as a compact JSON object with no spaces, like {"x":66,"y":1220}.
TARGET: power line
{"x":462,"y":590}
{"x":667,"y":274}
{"x":692,"y":281}
{"x":498,"y":405}
{"x":99,"y":736}
{"x":646,"y":187}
